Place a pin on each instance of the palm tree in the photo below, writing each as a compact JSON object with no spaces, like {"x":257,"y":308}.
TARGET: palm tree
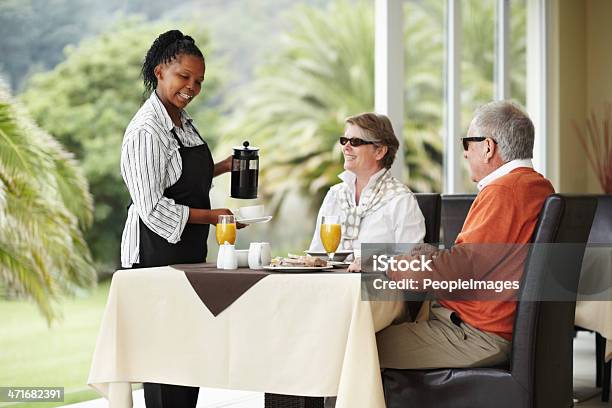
{"x":324,"y":72}
{"x":44,"y":205}
{"x":295,"y":109}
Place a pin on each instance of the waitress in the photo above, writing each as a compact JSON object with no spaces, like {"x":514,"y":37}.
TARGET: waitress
{"x":168,"y":170}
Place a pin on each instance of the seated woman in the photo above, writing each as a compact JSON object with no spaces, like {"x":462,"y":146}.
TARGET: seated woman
{"x":374,"y":207}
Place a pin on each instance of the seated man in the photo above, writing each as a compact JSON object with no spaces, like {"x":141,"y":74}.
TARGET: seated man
{"x":472,"y":333}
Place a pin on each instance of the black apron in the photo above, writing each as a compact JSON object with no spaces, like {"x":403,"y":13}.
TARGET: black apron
{"x":191,"y":189}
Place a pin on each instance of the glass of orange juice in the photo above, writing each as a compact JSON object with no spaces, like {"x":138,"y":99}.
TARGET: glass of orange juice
{"x":226,"y":229}
{"x":331,"y":233}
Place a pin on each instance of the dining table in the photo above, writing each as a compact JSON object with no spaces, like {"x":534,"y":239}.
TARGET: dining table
{"x":309,"y":334}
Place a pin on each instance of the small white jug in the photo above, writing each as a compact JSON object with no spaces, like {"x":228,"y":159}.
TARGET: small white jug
{"x":220,"y":256}
{"x":260,"y":255}
{"x":230,"y":260}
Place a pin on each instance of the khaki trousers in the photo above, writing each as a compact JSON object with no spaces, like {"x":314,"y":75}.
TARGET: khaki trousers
{"x":435,"y":341}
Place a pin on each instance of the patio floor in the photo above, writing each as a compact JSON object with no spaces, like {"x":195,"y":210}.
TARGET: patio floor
{"x":584,"y":382}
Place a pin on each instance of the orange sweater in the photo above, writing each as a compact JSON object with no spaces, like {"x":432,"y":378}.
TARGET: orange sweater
{"x":505,"y":211}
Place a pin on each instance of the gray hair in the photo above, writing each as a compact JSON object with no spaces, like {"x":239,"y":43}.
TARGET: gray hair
{"x":509,"y":126}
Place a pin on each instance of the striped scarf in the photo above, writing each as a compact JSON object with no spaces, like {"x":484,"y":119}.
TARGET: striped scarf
{"x":385,"y":189}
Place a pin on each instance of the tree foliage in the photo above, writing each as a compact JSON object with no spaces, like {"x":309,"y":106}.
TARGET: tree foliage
{"x":44,"y":206}
{"x":324,"y":72}
{"x":33,"y":33}
{"x":87,"y":102}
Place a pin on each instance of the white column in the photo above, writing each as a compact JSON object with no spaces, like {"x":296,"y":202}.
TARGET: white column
{"x":452,"y":118}
{"x":538,"y":78}
{"x":389,"y":71}
{"x":502,"y":40}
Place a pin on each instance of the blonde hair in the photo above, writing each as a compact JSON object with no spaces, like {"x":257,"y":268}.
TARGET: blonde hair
{"x":378,"y":127}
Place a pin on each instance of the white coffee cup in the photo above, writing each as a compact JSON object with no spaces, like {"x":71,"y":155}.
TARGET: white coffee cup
{"x":253,"y":211}
{"x":230,"y":260}
{"x":243,"y":258}
{"x":260,"y":255}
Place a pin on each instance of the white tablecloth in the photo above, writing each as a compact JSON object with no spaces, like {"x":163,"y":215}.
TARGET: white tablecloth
{"x":298,"y":334}
{"x":597,"y":314}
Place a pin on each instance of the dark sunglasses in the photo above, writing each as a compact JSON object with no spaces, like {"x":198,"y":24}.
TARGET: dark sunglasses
{"x":466,"y":141}
{"x":354,"y":141}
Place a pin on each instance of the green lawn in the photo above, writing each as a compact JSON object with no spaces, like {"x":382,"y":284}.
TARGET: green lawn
{"x":33,"y":354}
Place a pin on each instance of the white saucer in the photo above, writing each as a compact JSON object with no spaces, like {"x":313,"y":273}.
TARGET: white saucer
{"x":298,"y":268}
{"x":259,"y":220}
{"x":339,"y":255}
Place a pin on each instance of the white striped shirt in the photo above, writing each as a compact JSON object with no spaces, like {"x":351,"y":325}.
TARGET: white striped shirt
{"x":150,"y":163}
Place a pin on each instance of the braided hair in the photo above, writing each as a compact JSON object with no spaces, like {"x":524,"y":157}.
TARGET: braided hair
{"x":167,"y":47}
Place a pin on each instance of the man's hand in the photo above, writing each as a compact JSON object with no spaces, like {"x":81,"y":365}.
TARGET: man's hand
{"x":428,"y":250}
{"x":395,"y":274}
{"x":416,"y":253}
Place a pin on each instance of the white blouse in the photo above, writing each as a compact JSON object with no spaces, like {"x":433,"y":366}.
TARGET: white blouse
{"x":150,"y":163}
{"x":398,"y":221}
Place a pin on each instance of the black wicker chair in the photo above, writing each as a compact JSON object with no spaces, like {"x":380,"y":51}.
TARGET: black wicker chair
{"x":455,"y":208}
{"x":540,"y":371}
{"x":454,"y":211}
{"x":601,"y":233}
{"x":429,"y":203}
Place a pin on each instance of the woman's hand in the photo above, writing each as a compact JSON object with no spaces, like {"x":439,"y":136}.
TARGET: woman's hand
{"x":225,"y":211}
{"x":355,"y":266}
{"x":201,"y":216}
{"x":223,"y":166}
{"x":216,"y":212}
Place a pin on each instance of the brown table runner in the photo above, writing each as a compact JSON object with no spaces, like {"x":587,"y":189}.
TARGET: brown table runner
{"x":218,"y":288}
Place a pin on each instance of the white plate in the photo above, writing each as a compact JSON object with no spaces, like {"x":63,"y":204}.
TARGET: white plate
{"x":260,"y":220}
{"x":337,"y":264}
{"x":345,"y":252}
{"x":297,"y":268}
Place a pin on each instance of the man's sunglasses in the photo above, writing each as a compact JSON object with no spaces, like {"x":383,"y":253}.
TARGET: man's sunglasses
{"x":466,"y":141}
{"x":354,"y":141}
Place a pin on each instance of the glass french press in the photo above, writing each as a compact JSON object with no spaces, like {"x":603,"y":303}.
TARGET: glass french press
{"x":245,"y":171}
